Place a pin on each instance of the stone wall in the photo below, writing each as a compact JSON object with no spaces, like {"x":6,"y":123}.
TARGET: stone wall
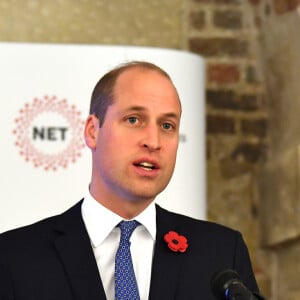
{"x":279,"y":25}
{"x":129,"y":22}
{"x":251,"y":50}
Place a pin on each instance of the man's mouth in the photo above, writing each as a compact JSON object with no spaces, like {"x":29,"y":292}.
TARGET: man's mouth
{"x":146,"y":166}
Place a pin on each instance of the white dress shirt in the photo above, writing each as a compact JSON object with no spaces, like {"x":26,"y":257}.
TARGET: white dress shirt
{"x":105,"y":237}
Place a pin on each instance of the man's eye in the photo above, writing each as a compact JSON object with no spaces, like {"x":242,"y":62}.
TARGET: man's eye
{"x":132,"y":120}
{"x":167,"y":126}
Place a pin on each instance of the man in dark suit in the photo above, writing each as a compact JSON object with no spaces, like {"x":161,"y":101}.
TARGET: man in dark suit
{"x":133,"y":134}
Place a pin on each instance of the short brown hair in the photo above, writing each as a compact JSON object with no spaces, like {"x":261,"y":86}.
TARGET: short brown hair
{"x":103,"y":93}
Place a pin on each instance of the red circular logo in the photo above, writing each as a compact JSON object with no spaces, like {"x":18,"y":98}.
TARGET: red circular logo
{"x":49,"y":133}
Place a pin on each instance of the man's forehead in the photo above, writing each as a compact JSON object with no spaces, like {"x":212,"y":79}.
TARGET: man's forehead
{"x":126,"y":83}
{"x":140,"y":71}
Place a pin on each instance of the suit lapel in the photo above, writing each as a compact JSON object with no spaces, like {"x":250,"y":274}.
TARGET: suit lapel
{"x":166,"y":268}
{"x":76,"y":254}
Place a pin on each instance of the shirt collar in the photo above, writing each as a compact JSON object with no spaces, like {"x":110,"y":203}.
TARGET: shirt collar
{"x":100,"y":221}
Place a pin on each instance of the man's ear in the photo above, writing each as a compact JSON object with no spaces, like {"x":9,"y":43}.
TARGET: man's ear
{"x":91,"y":130}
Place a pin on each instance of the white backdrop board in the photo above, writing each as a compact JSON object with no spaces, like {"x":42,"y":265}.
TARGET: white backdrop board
{"x":45,"y":93}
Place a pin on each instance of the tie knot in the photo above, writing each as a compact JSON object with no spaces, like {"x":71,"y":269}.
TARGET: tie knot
{"x":127,"y":227}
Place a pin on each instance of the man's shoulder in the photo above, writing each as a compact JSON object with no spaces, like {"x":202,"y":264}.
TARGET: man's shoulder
{"x":193,"y":224}
{"x":37,"y":231}
{"x":22,"y":241}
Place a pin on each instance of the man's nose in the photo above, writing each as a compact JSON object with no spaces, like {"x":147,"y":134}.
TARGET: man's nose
{"x":152,"y":139}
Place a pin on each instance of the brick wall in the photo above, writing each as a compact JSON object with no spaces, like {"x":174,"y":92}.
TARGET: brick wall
{"x":225,"y":32}
{"x":220,"y":32}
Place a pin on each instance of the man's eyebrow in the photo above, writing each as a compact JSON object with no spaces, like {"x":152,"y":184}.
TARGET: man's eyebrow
{"x":141,"y":108}
{"x":137,"y":108}
{"x":172,"y":115}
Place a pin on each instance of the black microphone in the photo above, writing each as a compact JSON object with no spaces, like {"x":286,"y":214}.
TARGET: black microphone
{"x":227,"y":285}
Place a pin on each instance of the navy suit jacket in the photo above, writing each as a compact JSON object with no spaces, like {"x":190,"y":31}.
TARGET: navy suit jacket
{"x":53,"y":260}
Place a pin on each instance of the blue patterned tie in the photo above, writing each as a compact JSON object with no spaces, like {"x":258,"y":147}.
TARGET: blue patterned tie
{"x":125,"y":282}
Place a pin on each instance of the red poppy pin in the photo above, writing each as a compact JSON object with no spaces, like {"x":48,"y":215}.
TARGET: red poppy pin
{"x":175,"y":241}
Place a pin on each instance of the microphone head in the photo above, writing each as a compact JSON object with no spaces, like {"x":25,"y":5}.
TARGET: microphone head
{"x":220,"y":282}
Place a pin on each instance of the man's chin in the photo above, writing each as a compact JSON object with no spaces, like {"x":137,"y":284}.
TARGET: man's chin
{"x":146,"y":195}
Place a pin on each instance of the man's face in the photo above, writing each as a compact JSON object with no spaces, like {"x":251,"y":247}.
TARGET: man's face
{"x":135,"y":149}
